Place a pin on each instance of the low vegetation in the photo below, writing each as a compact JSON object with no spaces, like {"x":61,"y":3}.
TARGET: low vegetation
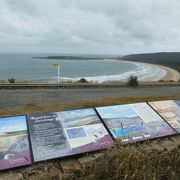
{"x":83,"y":80}
{"x":11,"y":80}
{"x":137,"y":162}
{"x":132,"y":81}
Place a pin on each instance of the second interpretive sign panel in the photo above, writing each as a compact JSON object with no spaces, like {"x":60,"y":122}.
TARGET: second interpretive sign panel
{"x":61,"y":134}
{"x":134,"y":122}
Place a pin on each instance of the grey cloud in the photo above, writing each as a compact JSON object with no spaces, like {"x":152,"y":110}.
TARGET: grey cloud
{"x":83,"y":26}
{"x":24,"y":6}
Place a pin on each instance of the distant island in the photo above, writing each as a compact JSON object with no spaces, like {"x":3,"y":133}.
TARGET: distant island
{"x":73,"y":57}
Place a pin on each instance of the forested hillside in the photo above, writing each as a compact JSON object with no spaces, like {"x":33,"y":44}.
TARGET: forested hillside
{"x":171,"y":59}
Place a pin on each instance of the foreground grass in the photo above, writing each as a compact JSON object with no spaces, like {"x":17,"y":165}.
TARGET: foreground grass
{"x":137,"y":162}
{"x":35,"y":108}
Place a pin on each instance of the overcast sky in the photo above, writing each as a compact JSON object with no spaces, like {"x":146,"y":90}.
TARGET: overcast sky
{"x":89,"y":26}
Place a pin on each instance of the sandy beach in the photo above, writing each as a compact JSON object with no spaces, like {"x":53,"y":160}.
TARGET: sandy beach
{"x":169,"y":75}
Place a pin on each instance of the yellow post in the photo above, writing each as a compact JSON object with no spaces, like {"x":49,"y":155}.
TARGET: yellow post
{"x":57,"y":66}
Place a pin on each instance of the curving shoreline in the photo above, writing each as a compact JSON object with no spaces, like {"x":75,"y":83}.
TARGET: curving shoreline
{"x":152,"y":73}
{"x":146,"y":72}
{"x":170,"y":75}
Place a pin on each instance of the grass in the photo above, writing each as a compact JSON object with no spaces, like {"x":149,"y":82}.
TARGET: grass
{"x":137,"y":163}
{"x":34,"y":108}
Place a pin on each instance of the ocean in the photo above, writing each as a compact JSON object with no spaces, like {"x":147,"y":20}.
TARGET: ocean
{"x":24,"y":67}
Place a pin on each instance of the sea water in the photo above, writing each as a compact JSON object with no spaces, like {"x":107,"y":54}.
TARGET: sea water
{"x":24,"y":67}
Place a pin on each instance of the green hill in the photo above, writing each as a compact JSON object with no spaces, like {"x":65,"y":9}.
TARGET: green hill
{"x":171,"y":59}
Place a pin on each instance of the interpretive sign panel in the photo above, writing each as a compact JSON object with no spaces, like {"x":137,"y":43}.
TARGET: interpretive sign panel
{"x":14,"y":144}
{"x":170,"y":111}
{"x":61,"y":134}
{"x":134,"y":122}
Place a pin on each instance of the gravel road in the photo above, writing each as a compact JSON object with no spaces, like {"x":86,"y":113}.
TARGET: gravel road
{"x":14,"y":98}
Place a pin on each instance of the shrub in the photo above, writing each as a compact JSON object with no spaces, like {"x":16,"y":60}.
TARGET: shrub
{"x":133,"y":81}
{"x":178,"y":146}
{"x":83,"y":80}
{"x":11,"y":80}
